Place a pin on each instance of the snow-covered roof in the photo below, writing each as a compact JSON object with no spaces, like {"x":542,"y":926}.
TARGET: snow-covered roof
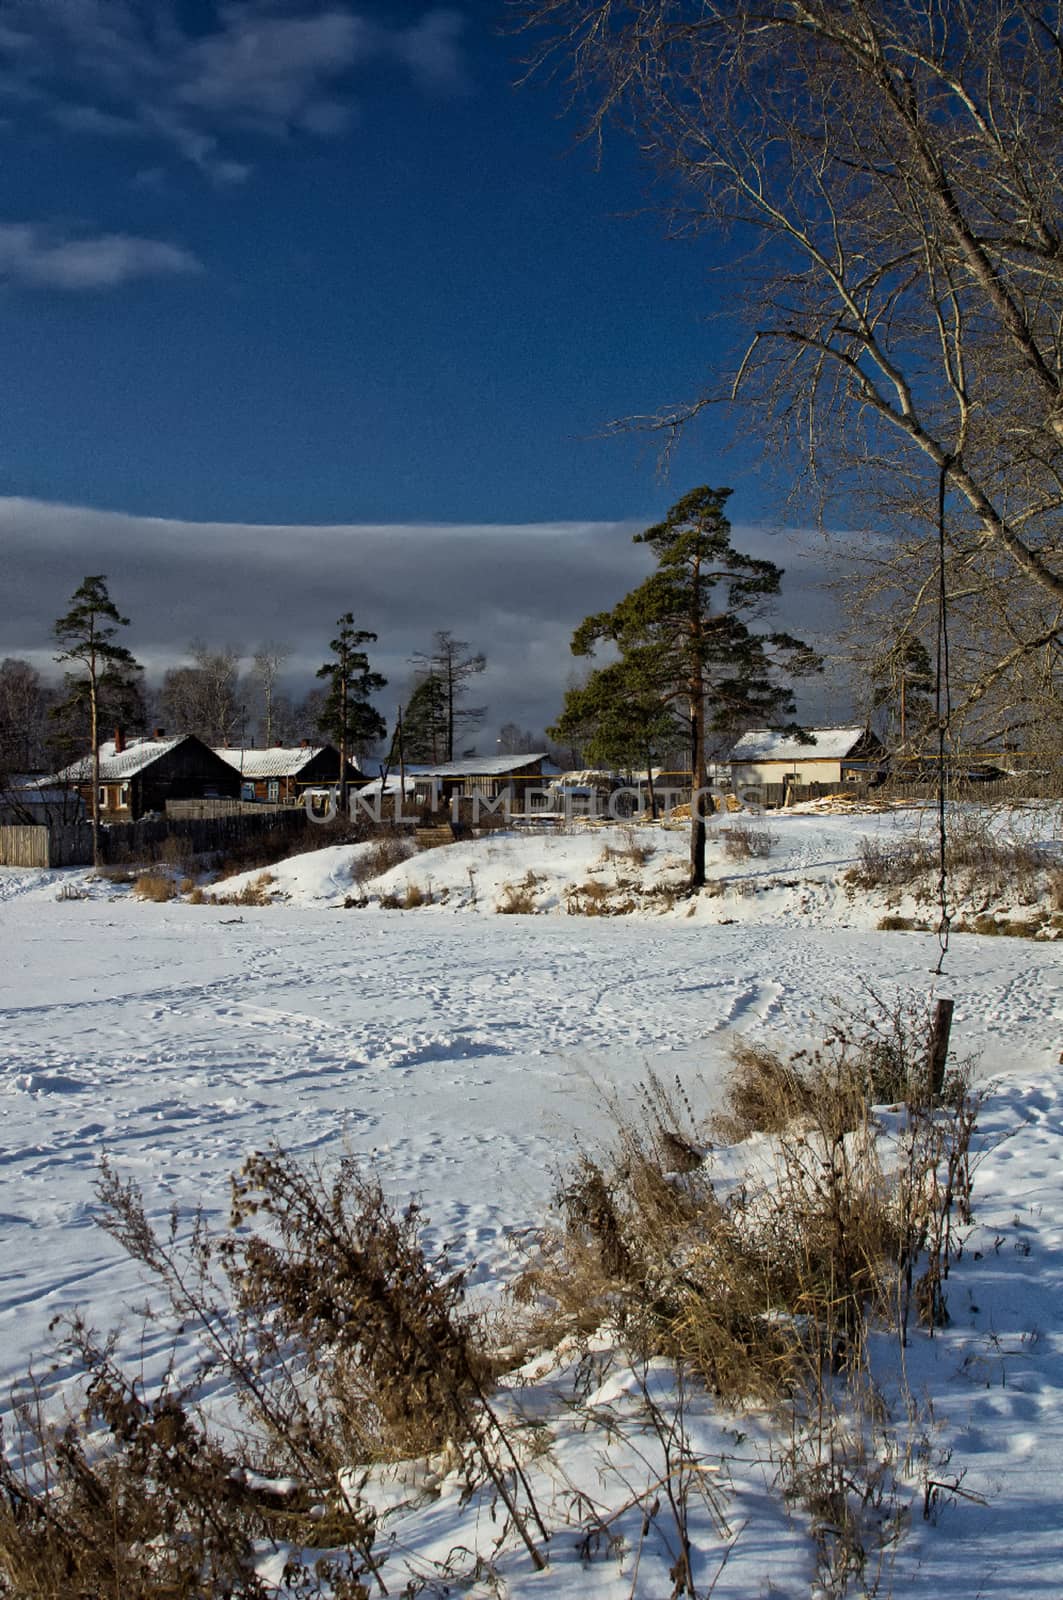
{"x":277,"y":761}
{"x":117,"y":766}
{"x":481,"y":766}
{"x":762,"y":744}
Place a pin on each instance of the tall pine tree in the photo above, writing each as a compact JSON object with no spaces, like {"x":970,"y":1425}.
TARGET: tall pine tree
{"x":348,"y":718}
{"x":85,"y":635}
{"x":683,"y":636}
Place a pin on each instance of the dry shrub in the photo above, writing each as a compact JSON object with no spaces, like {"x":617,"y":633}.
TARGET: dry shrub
{"x":979,"y":861}
{"x":743,"y":843}
{"x":256,"y":893}
{"x":174,"y":850}
{"x":589,"y":899}
{"x":345,"y":1341}
{"x":629,"y":850}
{"x":763,"y":1287}
{"x":274,"y":844}
{"x":416,"y":896}
{"x":154,"y":885}
{"x":387,"y":851}
{"x":135,"y":1499}
{"x":518,"y":899}
{"x":116,"y":874}
{"x":1055,"y":888}
{"x":72,"y":891}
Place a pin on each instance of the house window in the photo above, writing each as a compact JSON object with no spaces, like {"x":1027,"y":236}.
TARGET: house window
{"x":102,"y":794}
{"x":273,"y":789}
{"x":123,"y":796}
{"x":247,"y":791}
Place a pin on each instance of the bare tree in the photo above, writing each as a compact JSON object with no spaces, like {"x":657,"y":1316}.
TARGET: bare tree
{"x":896,"y":168}
{"x":267,"y":664}
{"x":24,"y":702}
{"x":449,"y":663}
{"x":206,"y":698}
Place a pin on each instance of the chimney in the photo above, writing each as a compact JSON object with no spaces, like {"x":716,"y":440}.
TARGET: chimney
{"x":158,"y":733}
{"x":119,"y":741}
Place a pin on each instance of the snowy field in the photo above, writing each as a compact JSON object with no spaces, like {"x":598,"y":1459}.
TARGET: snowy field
{"x":463,"y":1052}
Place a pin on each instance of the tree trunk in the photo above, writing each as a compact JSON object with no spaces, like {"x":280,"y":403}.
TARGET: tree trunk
{"x":94,"y":724}
{"x":653,"y":797}
{"x":697,"y":799}
{"x":343,"y":742}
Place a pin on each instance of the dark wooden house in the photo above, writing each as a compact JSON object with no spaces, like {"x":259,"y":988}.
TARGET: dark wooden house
{"x":282,"y":774}
{"x":138,"y":776}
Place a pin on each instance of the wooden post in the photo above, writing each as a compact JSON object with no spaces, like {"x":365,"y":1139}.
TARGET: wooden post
{"x":939,"y":1046}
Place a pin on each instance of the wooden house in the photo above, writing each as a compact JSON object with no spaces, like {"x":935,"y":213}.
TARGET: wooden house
{"x":139,"y":775}
{"x":508,"y":781}
{"x":828,"y":755}
{"x":281,"y":774}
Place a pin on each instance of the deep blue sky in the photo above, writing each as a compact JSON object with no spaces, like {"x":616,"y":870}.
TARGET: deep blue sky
{"x":293,"y":262}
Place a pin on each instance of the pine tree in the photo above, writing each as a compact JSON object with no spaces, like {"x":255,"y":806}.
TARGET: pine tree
{"x":619,"y":721}
{"x":683,"y":637}
{"x":425,"y":721}
{"x":902,"y":689}
{"x":347,"y":717}
{"x":85,"y":636}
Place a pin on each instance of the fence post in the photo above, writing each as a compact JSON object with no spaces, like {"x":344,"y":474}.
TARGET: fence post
{"x":939,"y":1046}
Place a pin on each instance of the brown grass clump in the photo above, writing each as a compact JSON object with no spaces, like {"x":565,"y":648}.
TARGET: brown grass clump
{"x":590,"y":899}
{"x":629,"y":850}
{"x":154,"y":885}
{"x":256,"y":893}
{"x":387,"y":851}
{"x":743,"y":843}
{"x":763,"y":1287}
{"x":981,"y":863}
{"x":518,"y":899}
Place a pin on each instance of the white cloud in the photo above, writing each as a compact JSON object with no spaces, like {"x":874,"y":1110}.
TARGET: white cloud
{"x":431,"y":49}
{"x":34,"y":255}
{"x":268,"y":67}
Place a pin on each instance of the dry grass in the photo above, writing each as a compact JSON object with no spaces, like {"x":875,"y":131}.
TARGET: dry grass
{"x":765,"y":1287}
{"x":154,"y":885}
{"x":588,"y":899}
{"x":743,"y":843}
{"x":256,"y":893}
{"x":518,"y":899}
{"x":345,"y":1341}
{"x":630,"y":850}
{"x":388,"y":851}
{"x":981,"y":864}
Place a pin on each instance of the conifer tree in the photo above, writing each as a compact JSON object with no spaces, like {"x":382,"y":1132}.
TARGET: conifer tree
{"x":348,"y":718}
{"x":85,"y":636}
{"x":425,"y":721}
{"x":619,"y":721}
{"x":902,"y":689}
{"x":684,"y":637}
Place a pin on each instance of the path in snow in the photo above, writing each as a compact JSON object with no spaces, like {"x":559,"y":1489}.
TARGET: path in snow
{"x":459,"y":1054}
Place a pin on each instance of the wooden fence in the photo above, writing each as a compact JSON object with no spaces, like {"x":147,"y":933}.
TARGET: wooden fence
{"x":148,"y":840}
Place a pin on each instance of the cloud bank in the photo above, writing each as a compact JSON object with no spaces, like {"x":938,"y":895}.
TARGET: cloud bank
{"x":514,"y":591}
